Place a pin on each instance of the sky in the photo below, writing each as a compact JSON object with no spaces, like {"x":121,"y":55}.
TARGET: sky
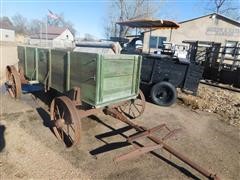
{"x":87,"y":15}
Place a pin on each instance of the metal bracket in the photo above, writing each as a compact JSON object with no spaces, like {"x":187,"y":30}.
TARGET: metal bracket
{"x":137,"y":152}
{"x":145,"y":149}
{"x":159,"y":143}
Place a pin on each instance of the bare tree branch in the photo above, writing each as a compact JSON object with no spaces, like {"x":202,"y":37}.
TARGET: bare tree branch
{"x":122,"y":10}
{"x":225,"y":7}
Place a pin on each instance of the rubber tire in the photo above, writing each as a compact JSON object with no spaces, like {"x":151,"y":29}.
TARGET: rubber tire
{"x":166,"y":88}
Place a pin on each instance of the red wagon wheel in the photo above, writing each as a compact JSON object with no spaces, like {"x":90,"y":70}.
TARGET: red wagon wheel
{"x":13,"y":82}
{"x":67,"y":122}
{"x":134,"y":107}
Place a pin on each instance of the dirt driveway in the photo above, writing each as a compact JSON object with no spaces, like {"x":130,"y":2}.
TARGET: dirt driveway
{"x":32,"y":150}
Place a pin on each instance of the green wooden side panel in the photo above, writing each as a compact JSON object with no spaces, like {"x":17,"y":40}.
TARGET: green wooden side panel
{"x":59,"y":70}
{"x":83,"y":69}
{"x":30,"y":63}
{"x":119,"y":78}
{"x":43,"y":64}
{"x":21,"y":56}
{"x":103,"y":79}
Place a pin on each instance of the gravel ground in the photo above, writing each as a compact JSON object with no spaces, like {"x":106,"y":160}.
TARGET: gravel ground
{"x":216,"y":100}
{"x":32,"y":150}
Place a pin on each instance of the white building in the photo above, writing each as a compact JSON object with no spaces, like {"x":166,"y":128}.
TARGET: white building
{"x":7,"y":32}
{"x":211,"y":27}
{"x":8,"y":48}
{"x":56,"y":37}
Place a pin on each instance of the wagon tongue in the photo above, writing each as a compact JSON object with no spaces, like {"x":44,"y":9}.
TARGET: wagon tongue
{"x":143,"y":132}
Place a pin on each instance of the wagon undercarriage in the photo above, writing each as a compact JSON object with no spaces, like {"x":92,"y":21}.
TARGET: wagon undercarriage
{"x":66,"y":114}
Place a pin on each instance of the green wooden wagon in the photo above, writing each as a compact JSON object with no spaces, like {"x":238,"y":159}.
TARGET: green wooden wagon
{"x":90,"y":83}
{"x":96,"y":80}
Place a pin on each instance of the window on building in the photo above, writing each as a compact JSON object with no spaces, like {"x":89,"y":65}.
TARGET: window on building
{"x":67,"y":36}
{"x":153,"y":42}
{"x":157,"y":42}
{"x":6,"y":36}
{"x":230,"y":47}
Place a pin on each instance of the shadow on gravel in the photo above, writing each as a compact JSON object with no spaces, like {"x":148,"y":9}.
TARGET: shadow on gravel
{"x":46,"y":97}
{"x":47,"y":122}
{"x":46,"y":119}
{"x":116,"y":145}
{"x":2,"y":138}
{"x":110,"y":146}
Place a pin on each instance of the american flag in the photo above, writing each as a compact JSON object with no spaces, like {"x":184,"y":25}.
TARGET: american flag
{"x":52,"y":15}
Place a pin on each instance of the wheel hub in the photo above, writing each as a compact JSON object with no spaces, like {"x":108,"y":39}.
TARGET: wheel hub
{"x":59,"y":123}
{"x":162,"y":94}
{"x":9,"y":83}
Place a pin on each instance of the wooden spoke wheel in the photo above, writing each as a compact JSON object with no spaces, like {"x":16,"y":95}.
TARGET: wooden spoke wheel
{"x":21,"y":74}
{"x":134,"y":107}
{"x":67,"y":122}
{"x":13,"y":82}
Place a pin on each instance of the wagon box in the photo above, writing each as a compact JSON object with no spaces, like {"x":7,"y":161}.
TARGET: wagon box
{"x":103,"y":78}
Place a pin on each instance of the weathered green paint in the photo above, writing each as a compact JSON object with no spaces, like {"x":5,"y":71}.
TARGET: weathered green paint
{"x":50,"y":67}
{"x":21,"y":56}
{"x":43,"y":63}
{"x":83,"y":70}
{"x":104,"y":79}
{"x":98,"y":78}
{"x":59,"y":70}
{"x":36,"y":64}
{"x":30,"y":60}
{"x":68,"y":71}
{"x":100,"y":96}
{"x":25,"y":59}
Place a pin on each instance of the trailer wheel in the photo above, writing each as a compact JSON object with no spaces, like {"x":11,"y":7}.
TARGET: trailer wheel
{"x":13,"y":83}
{"x":134,"y":107}
{"x":163,"y":94}
{"x":66,"y":119}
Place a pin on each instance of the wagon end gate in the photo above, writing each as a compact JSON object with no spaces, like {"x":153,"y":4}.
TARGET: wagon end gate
{"x":159,"y":143}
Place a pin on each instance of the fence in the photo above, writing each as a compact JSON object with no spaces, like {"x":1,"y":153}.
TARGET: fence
{"x":221,"y":63}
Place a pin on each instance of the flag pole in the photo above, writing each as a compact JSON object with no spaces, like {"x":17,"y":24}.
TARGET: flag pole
{"x":46,"y":31}
{"x":41,"y":32}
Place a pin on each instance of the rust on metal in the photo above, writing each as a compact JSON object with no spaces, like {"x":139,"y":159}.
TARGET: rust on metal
{"x":13,"y":82}
{"x":137,"y":152}
{"x":86,"y":113}
{"x":170,"y":134}
{"x":149,"y":23}
{"x":66,"y":117}
{"x":115,"y":113}
{"x":67,"y":121}
{"x":21,"y":74}
{"x":145,"y":133}
{"x":135,"y":107}
{"x":76,"y":97}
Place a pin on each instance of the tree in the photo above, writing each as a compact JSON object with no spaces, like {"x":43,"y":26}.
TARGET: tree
{"x":62,"y":22}
{"x":121,"y":10}
{"x":226,"y":7}
{"x":89,"y":37}
{"x":35,"y":26}
{"x":20,"y":24}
